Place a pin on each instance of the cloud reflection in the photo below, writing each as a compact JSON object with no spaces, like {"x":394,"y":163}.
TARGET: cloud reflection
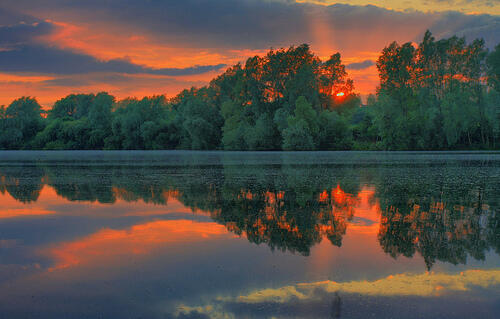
{"x":107,"y":245}
{"x":271,"y":301}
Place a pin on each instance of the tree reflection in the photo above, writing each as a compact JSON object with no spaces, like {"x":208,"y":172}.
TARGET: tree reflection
{"x":23,"y":183}
{"x":442,"y":213}
{"x":445,"y":219}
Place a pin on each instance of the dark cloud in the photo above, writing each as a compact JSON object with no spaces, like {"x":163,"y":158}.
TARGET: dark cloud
{"x":468,"y":26}
{"x":200,"y":22}
{"x":360,"y":65}
{"x":16,"y":28}
{"x":20,"y":51}
{"x":10,"y":17}
{"x":257,"y":24}
{"x":43,"y":59}
{"x":11,"y":35}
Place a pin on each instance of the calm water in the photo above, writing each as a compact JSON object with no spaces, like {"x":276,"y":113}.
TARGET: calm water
{"x":249,"y":235}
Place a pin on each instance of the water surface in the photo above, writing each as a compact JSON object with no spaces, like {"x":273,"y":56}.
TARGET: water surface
{"x":249,"y":235}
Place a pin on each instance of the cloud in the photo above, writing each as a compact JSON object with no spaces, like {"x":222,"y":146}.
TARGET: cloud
{"x":257,"y":24}
{"x":462,"y":2}
{"x":11,"y":35}
{"x":22,"y":50}
{"x":466,"y":6}
{"x":468,"y":26}
{"x":17,"y":28}
{"x":49,"y":60}
{"x":11,"y":17}
{"x":360,"y":65}
{"x":199,"y":22}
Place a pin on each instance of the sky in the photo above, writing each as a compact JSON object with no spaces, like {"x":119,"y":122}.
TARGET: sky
{"x":51,"y":48}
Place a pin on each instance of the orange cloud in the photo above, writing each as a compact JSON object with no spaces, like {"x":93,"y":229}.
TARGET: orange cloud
{"x":138,"y":48}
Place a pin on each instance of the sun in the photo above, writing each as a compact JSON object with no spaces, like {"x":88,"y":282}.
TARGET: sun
{"x":340,"y":94}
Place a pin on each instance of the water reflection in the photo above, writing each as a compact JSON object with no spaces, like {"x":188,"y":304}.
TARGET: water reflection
{"x":308,"y":300}
{"x":443,"y":210}
{"x":252,"y":235}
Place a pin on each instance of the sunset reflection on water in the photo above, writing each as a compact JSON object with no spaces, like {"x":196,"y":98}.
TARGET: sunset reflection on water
{"x":179,"y":234}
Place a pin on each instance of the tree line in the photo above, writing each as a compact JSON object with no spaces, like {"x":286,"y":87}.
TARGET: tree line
{"x":437,"y":95}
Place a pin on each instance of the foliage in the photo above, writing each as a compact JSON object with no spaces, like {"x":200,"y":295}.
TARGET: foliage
{"x":19,"y":123}
{"x":435,"y":96}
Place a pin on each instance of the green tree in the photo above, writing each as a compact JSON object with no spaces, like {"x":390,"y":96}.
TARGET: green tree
{"x":494,"y":68}
{"x":21,"y":122}
{"x":199,"y":119}
{"x":303,"y":127}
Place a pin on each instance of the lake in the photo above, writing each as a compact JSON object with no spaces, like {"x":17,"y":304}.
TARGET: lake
{"x":180,"y":234}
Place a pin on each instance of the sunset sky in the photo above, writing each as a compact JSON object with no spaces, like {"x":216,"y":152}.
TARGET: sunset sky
{"x":51,"y":48}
